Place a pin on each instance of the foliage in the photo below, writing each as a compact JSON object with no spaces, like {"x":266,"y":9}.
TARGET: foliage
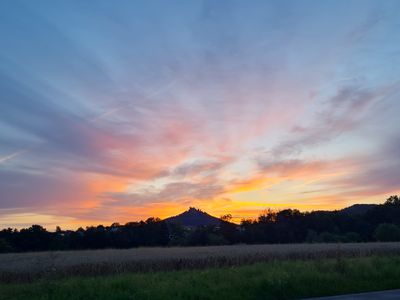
{"x":5,"y":246}
{"x":387,"y":233}
{"x":393,"y":200}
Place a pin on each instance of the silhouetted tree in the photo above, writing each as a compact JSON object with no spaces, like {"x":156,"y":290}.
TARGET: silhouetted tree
{"x":393,"y":200}
{"x":5,"y":246}
{"x":387,"y":233}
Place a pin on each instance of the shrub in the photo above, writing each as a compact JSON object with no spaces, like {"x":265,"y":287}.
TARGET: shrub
{"x":387,"y":233}
{"x":5,"y":247}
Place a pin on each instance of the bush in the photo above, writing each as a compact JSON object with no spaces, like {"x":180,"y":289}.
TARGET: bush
{"x":5,"y":247}
{"x":387,"y":233}
{"x":328,"y":237}
{"x":352,"y":237}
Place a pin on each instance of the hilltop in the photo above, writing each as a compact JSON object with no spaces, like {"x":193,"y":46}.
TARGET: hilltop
{"x":194,"y":217}
{"x":358,"y":209}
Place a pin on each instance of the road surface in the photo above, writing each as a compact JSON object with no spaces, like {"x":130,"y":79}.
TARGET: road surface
{"x":384,"y":295}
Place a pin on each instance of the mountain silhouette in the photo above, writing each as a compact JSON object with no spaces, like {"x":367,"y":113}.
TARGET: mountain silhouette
{"x":194,"y":217}
{"x":358,"y":209}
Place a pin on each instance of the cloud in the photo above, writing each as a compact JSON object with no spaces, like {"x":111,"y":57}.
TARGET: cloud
{"x":362,"y":30}
{"x":11,"y":156}
{"x":377,"y":174}
{"x":294,"y":167}
{"x":203,"y":168}
{"x":171,"y":192}
{"x":344,"y":112}
{"x":33,"y":191}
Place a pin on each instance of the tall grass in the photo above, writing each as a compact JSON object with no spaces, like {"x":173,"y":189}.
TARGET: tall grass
{"x":277,"y":279}
{"x":31,"y":266}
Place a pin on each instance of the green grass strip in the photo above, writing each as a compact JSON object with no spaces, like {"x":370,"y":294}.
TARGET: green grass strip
{"x":273,"y":280}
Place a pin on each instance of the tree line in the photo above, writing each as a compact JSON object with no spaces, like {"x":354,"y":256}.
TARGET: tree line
{"x":379,"y":223}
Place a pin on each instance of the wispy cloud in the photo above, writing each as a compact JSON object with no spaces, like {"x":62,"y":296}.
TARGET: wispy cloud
{"x":345,"y":111}
{"x":11,"y":156}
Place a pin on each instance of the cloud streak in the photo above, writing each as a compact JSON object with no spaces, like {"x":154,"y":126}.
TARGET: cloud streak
{"x":344,"y":112}
{"x":11,"y":156}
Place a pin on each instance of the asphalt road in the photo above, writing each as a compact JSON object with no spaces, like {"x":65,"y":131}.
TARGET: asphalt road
{"x":385,"y":295}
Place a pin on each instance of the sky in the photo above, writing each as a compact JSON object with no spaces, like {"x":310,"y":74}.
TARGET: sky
{"x":115,"y":111}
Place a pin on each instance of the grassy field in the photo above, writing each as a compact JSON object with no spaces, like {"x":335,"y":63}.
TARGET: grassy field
{"x":31,"y":266}
{"x":277,"y":279}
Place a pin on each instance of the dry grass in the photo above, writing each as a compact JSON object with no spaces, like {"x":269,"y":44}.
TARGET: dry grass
{"x":29,"y":266}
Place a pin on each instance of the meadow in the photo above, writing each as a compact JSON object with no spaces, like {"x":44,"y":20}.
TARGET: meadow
{"x":276,"y":279}
{"x":25,"y":267}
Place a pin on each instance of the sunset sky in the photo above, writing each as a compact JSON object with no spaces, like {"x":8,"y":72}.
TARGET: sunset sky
{"x":114,"y":111}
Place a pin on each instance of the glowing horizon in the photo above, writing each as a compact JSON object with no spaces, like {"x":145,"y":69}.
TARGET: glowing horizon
{"x":120,"y":112}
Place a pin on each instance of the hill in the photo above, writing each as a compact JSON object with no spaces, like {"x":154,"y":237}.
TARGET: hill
{"x":194,"y":217}
{"x":358,"y":209}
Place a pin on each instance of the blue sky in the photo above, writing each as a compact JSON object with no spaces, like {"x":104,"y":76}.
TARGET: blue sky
{"x":115,"y":111}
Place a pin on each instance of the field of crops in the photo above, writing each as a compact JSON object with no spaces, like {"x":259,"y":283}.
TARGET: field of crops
{"x":274,"y":280}
{"x":29,"y":266}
